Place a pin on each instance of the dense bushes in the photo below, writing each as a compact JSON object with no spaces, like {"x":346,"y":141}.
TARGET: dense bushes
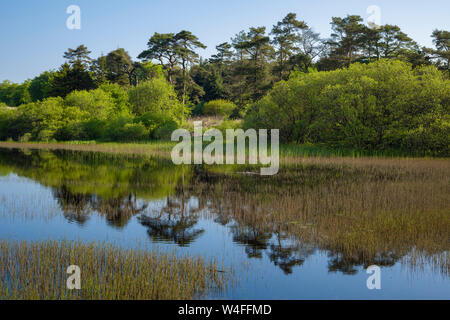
{"x":156,"y":96}
{"x":219,"y":107}
{"x":382,"y":105}
{"x":13,"y":94}
{"x":379,"y":106}
{"x":149,"y":110}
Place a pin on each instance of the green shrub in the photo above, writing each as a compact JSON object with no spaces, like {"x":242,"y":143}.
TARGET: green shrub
{"x":153,"y":120}
{"x":38,"y":116}
{"x":164,"y":132}
{"x":110,"y":112}
{"x":93,"y":129}
{"x":73,"y":130}
{"x":381,"y":105}
{"x":98,"y":103}
{"x":7,"y":120}
{"x":156,"y":96}
{"x":134,"y":132}
{"x":114,"y":128}
{"x":219,"y":107}
{"x":13,"y":94}
{"x":45,"y":135}
{"x":120,"y":97}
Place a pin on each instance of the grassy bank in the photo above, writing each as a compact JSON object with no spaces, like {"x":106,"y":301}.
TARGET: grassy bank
{"x":38,"y":271}
{"x":288,"y":152}
{"x":157,"y":148}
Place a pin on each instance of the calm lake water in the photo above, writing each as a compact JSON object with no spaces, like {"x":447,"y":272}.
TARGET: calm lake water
{"x":213,"y":212}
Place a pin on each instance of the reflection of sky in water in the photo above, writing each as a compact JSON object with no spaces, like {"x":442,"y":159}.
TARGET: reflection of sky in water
{"x":29,"y":211}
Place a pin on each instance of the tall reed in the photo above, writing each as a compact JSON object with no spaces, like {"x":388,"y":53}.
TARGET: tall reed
{"x":37,"y":270}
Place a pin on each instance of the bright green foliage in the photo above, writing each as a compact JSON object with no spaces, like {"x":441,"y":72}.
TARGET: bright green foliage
{"x":98,"y":103}
{"x":13,"y":94}
{"x":40,"y":119}
{"x":111,"y":112}
{"x":148,"y":70}
{"x":120,"y":97}
{"x":123,"y":129}
{"x":219,"y":107}
{"x":105,"y":175}
{"x":156,"y":96}
{"x":78,"y":57}
{"x":73,"y":126}
{"x":382,"y":105}
{"x":158,"y":124}
{"x":375,"y":107}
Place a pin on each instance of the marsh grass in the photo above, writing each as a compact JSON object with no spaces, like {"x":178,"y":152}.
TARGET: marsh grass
{"x":309,"y":150}
{"x":154,"y":148}
{"x":361,"y":210}
{"x":164,"y":148}
{"x":37,"y":270}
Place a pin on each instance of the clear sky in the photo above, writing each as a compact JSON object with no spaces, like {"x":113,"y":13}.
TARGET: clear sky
{"x":34,"y":34}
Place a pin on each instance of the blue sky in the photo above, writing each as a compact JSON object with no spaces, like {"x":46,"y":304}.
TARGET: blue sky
{"x":34,"y":34}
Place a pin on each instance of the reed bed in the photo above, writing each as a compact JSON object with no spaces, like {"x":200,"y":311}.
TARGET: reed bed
{"x":156,"y":148}
{"x":37,"y":270}
{"x":360,"y":210}
{"x":288,"y":152}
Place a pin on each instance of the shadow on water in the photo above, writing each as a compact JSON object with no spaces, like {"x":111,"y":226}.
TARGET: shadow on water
{"x":360,"y":214}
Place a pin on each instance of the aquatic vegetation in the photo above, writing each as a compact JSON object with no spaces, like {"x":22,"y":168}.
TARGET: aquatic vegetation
{"x":289,"y":152}
{"x":361,"y":210}
{"x":37,"y":270}
{"x":156,"y":148}
{"x":358,"y":210}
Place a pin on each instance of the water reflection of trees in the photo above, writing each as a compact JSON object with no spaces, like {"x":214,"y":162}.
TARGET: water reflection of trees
{"x":269,"y":217}
{"x":349,"y":264}
{"x":177,"y":218}
{"x":287,"y":253}
{"x":117,"y":211}
{"x":174,"y":222}
{"x":247,"y":205}
{"x":283,"y":251}
{"x":75,"y":207}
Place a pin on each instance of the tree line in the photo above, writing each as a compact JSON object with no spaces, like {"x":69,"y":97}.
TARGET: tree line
{"x":383,"y":105}
{"x":117,"y":98}
{"x":242,"y":70}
